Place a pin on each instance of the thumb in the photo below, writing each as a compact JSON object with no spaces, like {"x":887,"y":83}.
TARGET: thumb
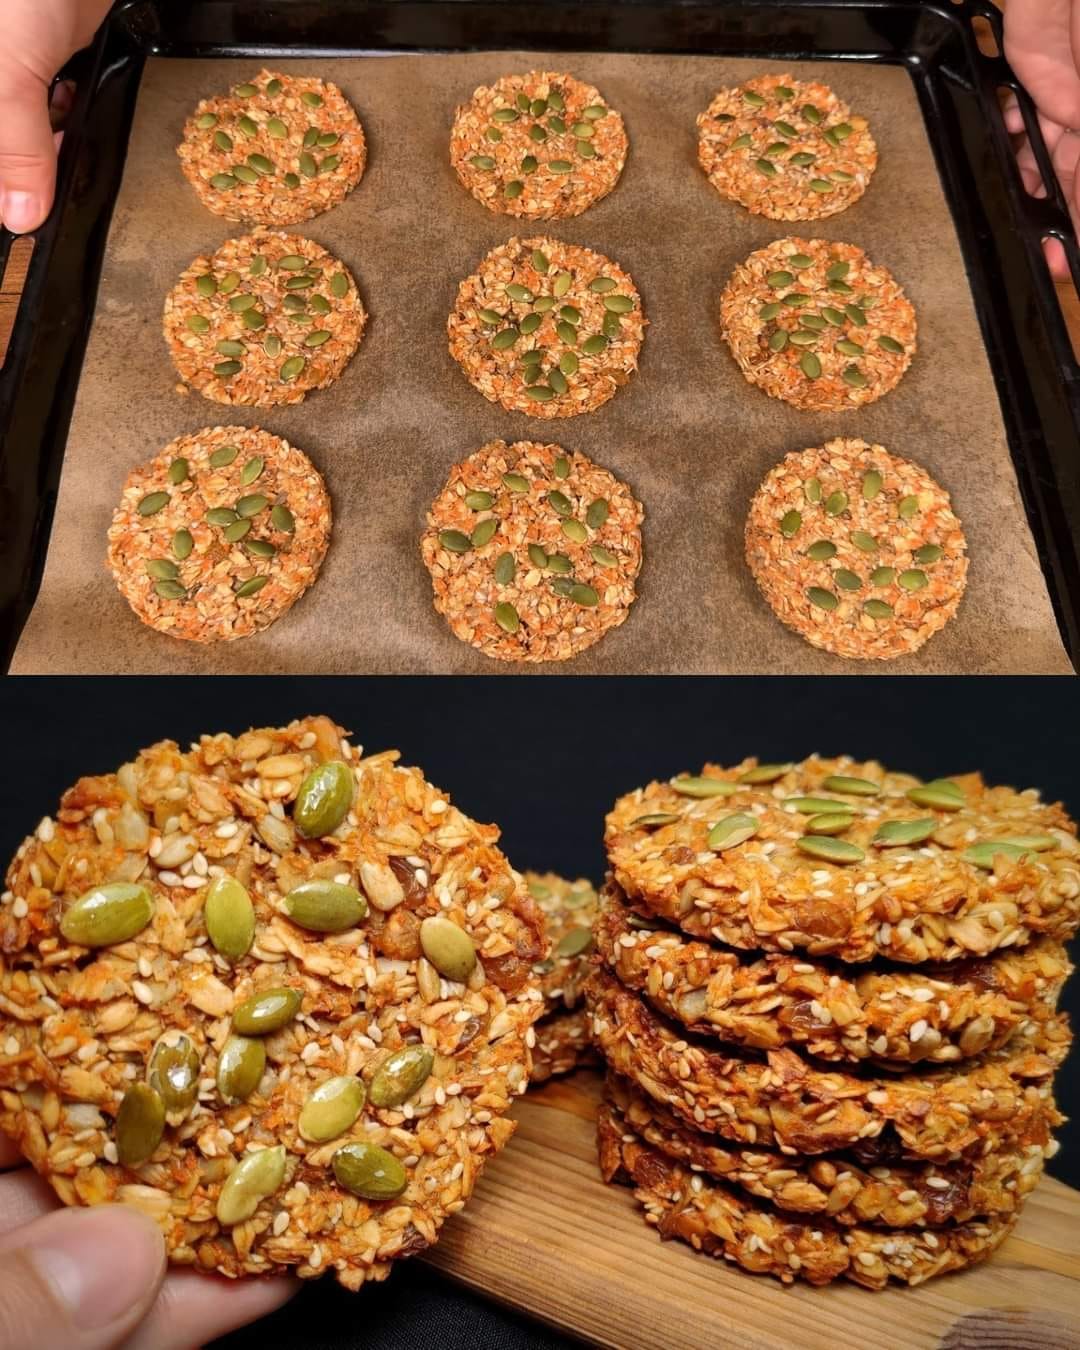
{"x":27,"y":153}
{"x":78,"y":1279}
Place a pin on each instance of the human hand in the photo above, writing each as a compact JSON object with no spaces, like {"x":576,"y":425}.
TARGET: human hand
{"x":1042,"y":44}
{"x":39,"y":36}
{"x":93,"y":1279}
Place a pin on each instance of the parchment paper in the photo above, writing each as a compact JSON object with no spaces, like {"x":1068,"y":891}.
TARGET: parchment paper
{"x":690,"y":436}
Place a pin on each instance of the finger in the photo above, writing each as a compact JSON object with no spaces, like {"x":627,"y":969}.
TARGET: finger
{"x":78,"y":1279}
{"x":23,"y":1198}
{"x":194,"y":1308}
{"x":27,"y":158}
{"x":1056,"y":260}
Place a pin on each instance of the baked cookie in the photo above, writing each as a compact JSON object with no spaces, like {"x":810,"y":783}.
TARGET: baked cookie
{"x":563,"y":1044}
{"x":787,"y":149}
{"x":817,"y":324}
{"x":901,"y":1195}
{"x":278,"y":149}
{"x":541,"y":146}
{"x":715,"y":1219}
{"x":274,"y":992}
{"x":785,"y":1101}
{"x":547,"y":328}
{"x":896,"y":1016}
{"x":562,"y":1035}
{"x":220,"y":534}
{"x":849,"y":860}
{"x":533,"y":551}
{"x":858,"y":551}
{"x":262,"y":321}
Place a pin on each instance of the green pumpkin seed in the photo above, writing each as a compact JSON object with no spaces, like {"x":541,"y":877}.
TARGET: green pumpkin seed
{"x":479,"y":501}
{"x":162,"y":569}
{"x":603,"y":556}
{"x":840,"y":288}
{"x":245,"y":173}
{"x":574,"y":942}
{"x":173,"y":1072}
{"x":568,"y":363}
{"x":798,"y":260}
{"x":741,"y":143}
{"x":253,"y":318}
{"x":830,"y":823}
{"x":985,"y":853}
{"x":504,"y":115}
{"x":584,"y":595}
{"x":251,"y":587}
{"x":140,"y":1123}
{"x":557,"y":125}
{"x":940,"y":793}
{"x":307,"y":164}
{"x":519,"y":293}
{"x":871,"y":486}
{"x":812,"y":489}
{"x":810,"y":365}
{"x":369,"y":1172}
{"x":241,"y":1065}
{"x":560,"y":503}
{"x":170,"y":590}
{"x":753,"y":98}
{"x":206,"y":285}
{"x":912,"y":579}
{"x":812,"y":806}
{"x":778,"y":341}
{"x":836,"y":503}
{"x":312,"y":99}
{"x":559,"y":165}
{"x":282,"y":519}
{"x":769,"y":311}
{"x":276,"y":128}
{"x":318,"y":304}
{"x":802,"y":160}
{"x":255,"y":1177}
{"x":401,"y":1075}
{"x":266,"y":1012}
{"x":908,"y":508}
{"x":541,"y":393}
{"x":618,"y":304}
{"x":229,"y":348}
{"x":505,"y":569}
{"x":152,"y":503}
{"x":814,"y":321}
{"x":856,"y":315}
{"x":786,"y":129}
{"x":197,"y":323}
{"x":182,"y":544}
{"x":557,"y":380}
{"x":261,"y":165}
{"x":291,"y":368}
{"x":537,"y":133}
{"x":206,"y":120}
{"x":928,"y":553}
{"x":779,"y":279}
{"x":484,"y":532}
{"x":652,"y":819}
{"x":556,"y":101}
{"x":821,"y":550}
{"x":802,"y":337}
{"x":602,"y":285}
{"x":245,"y":90}
{"x":506,"y":616}
{"x":796,"y":299}
{"x":892,"y":833}
{"x":559,"y":562}
{"x":273,"y":88}
{"x":790,"y":524}
{"x":224,"y":369}
{"x":448,"y":947}
{"x":846,"y":580}
{"x":766,"y":167}
{"x":732,"y":830}
{"x":567,"y":332}
{"x":854,"y":787}
{"x":179,"y":469}
{"x":573,"y":529}
{"x":829,"y":849}
{"x":323,"y":906}
{"x":106,"y":915}
{"x":878,"y":609}
{"x":516,"y":482}
{"x":821,"y":599}
{"x":331,"y":1109}
{"x":229,"y":283}
{"x":229,"y":917}
{"x":324,"y":798}
{"x":292,"y":181}
{"x":504,"y":339}
{"x":514,"y":189}
{"x":482,"y":162}
{"x":611,"y":326}
{"x":236,"y":531}
{"x":854,"y":377}
{"x":317,"y":338}
{"x":530,"y":323}
{"x":594,"y":345}
{"x":537,"y":556}
{"x":597,"y":513}
{"x":863,"y":541}
{"x":765,"y":773}
{"x":260,"y":548}
{"x":890,"y":344}
{"x":222,"y":182}
{"x":882,"y":576}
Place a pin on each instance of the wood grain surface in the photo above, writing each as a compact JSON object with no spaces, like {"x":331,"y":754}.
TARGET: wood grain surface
{"x":544,"y":1234}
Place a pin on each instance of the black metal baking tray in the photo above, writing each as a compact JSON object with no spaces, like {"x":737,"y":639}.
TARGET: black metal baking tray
{"x":1000,"y":226}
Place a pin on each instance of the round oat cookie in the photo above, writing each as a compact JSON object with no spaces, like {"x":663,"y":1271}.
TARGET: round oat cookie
{"x":533,"y":551}
{"x":563,"y":1044}
{"x":848,"y":860}
{"x":900,"y":1195}
{"x":304,"y":1011}
{"x":715,"y":1219}
{"x":817,"y":324}
{"x":547,"y":328}
{"x":570,"y":909}
{"x":785,"y":1101}
{"x":857,"y":550}
{"x":220,"y":534}
{"x":787,"y":149}
{"x":541,"y":146}
{"x":935,"y":1014}
{"x":278,"y":149}
{"x":262,"y":321}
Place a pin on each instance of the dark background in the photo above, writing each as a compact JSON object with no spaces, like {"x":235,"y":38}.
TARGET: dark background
{"x":544,"y":758}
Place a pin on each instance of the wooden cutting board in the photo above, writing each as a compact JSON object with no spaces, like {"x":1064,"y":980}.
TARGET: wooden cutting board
{"x":543,"y":1234}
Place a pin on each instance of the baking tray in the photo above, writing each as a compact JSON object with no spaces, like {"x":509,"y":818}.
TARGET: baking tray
{"x":1000,"y":227}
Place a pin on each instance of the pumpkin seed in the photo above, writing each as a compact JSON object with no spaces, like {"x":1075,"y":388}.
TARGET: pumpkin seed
{"x":261,"y":165}
{"x":912,"y":579}
{"x":829,"y":849}
{"x":891,"y":833}
{"x":985,"y":853}
{"x":223,"y":140}
{"x":241,"y":1065}
{"x":779,"y":340}
{"x":802,"y":337}
{"x":252,"y":586}
{"x":229,"y":348}
{"x":324,"y":798}
{"x":732,"y":830}
{"x":853,"y":376}
{"x":603,"y":556}
{"x":812,"y":489}
{"x":855,"y":314}
{"x":224,"y":369}
{"x":940,"y":793}
{"x":574,"y":942}
{"x":514,"y":189}
{"x":753,"y":98}
{"x":197,"y":323}
{"x":928,"y":553}
{"x":484,"y":532}
{"x":267,"y":1011}
{"x":256,"y":1176}
{"x":245,"y":90}
{"x":811,"y":114}
{"x":765,"y":773}
{"x":173,"y":1072}
{"x":846,"y":580}
{"x":505,"y":568}
{"x":537,"y":556}
{"x":863,"y":541}
{"x":229,"y":917}
{"x":140,"y":1123}
{"x":448,"y":947}
{"x":821,"y":599}
{"x":841,"y":288}
{"x":618,"y":304}
{"x":109,"y":914}
{"x":778,"y":279}
{"x":741,"y":143}
{"x":812,"y":806}
{"x":369,"y":1172}
{"x":559,"y":502}
{"x":573,"y":529}
{"x":559,"y":165}
{"x":567,"y":332}
{"x":854,"y":787}
{"x":292,"y":180}
{"x":850,"y":348}
{"x":835,"y":822}
{"x":769,"y":311}
{"x":802,"y":160}
{"x":810,"y":365}
{"x":594,"y":345}
{"x":557,"y":381}
{"x":766,"y":167}
{"x":890,"y":344}
{"x":152,"y":503}
{"x":597,"y":513}
{"x":798,"y":260}
{"x":559,"y":562}
{"x":556,"y":101}
{"x":163,"y":569}
{"x":516,"y":482}
{"x":170,"y":590}
{"x":206,"y":120}
{"x":229,"y":283}
{"x":276,"y":128}
{"x":882,"y":576}
{"x":253,"y":318}
{"x":909,"y":507}
{"x":401,"y":1075}
{"x":291,"y":368}
{"x":331,"y":1109}
{"x":654,"y":818}
{"x":821,"y":550}
{"x":221,"y":515}
{"x":323,"y":906}
{"x":790,"y":523}
{"x":814,"y":321}
{"x":504,"y":115}
{"x":506,"y":616}
{"x":537,"y":133}
{"x":223,"y":182}
{"x":878,"y":609}
{"x":584,"y":595}
{"x":317,"y":338}
{"x":282,"y":519}
{"x":703,"y":786}
{"x":611,"y":325}
{"x":273,"y":88}
{"x":182,"y":544}
{"x":260,"y":548}
{"x":245,"y":173}
{"x":482,"y":162}
{"x":836,"y":503}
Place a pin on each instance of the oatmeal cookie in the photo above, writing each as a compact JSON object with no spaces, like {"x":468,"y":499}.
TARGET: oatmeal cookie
{"x":714,"y":1219}
{"x":562,"y":1035}
{"x":858,"y":551}
{"x":277,"y":149}
{"x":782,"y":1100}
{"x":563,"y":1044}
{"x":848,"y":860}
{"x":893,"y":1015}
{"x":817,"y":324}
{"x":272,"y":991}
{"x":533,"y":551}
{"x":220,"y":534}
{"x":263,"y":321}
{"x":547,"y":328}
{"x":787,"y":149}
{"x":541,"y":146}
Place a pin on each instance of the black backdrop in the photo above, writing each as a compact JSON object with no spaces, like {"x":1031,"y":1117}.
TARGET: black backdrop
{"x":545,"y":758}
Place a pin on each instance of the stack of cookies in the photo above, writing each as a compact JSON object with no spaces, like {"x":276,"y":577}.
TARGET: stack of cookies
{"x":826,"y":995}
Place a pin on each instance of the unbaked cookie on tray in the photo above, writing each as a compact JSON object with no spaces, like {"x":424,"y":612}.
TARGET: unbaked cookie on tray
{"x":787,"y":149}
{"x":547,"y":328}
{"x":541,"y":146}
{"x":857,"y":550}
{"x":533,"y":551}
{"x":276,"y":149}
{"x":272,"y":991}
{"x":264,"y":320}
{"x":818,"y":324}
{"x":219,"y":534}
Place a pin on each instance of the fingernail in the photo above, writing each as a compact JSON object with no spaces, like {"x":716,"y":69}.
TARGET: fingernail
{"x":100,"y":1262}
{"x":21,"y":211}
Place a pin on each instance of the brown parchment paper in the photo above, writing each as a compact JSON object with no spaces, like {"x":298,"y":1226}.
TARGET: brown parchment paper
{"x":689,"y":435}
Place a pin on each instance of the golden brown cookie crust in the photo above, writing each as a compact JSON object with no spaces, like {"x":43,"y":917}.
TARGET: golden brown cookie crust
{"x":563,"y":1044}
{"x":541,"y":146}
{"x":569,"y":909}
{"x":74,"y":1041}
